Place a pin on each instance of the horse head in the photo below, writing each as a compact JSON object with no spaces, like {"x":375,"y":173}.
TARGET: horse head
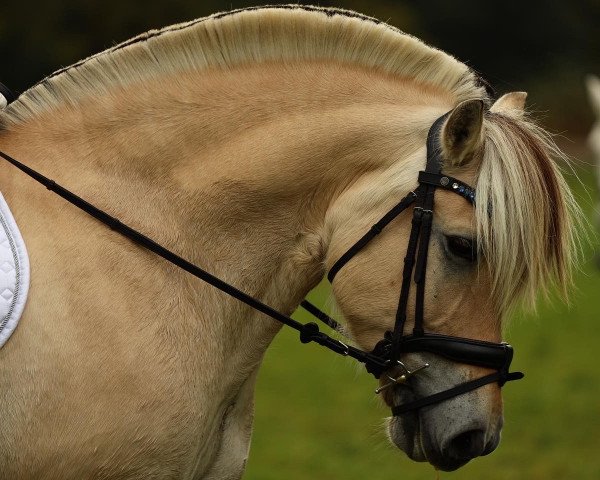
{"x":481,"y":259}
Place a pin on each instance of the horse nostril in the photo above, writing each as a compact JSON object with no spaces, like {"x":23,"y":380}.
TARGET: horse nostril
{"x":467,"y":445}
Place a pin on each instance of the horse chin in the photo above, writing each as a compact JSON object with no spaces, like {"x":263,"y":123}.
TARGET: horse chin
{"x":413,"y":434}
{"x":405,"y":433}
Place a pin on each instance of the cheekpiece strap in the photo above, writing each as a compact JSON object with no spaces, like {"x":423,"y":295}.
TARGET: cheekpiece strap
{"x":371,"y":234}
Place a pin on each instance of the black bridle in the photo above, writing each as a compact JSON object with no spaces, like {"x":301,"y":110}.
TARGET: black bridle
{"x":496,"y":356}
{"x":386,"y":355}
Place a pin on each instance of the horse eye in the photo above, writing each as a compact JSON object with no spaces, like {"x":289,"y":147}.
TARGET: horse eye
{"x":462,"y":247}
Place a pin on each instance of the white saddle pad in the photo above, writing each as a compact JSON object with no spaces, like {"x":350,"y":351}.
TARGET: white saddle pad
{"x":14,"y":273}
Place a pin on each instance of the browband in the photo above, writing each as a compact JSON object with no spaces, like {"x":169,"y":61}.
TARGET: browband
{"x":449,"y":183}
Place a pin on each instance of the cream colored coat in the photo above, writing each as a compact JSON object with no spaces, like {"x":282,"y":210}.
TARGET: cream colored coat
{"x":126,"y":367}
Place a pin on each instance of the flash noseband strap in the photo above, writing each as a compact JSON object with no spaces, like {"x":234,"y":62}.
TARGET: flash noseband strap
{"x":500,"y":377}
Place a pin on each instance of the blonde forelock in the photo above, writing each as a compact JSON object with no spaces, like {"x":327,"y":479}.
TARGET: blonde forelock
{"x":527,"y":218}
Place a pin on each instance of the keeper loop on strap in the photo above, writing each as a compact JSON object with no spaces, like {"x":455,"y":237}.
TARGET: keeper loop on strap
{"x":424,"y":210}
{"x":418,"y":331}
{"x":377,"y":229}
{"x":417,"y":216}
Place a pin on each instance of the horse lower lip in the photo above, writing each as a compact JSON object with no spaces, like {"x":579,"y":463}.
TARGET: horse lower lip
{"x":448,"y":465}
{"x":489,"y":449}
{"x":417,"y":449}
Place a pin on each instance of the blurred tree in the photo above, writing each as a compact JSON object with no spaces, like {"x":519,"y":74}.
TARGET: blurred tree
{"x":539,"y":46}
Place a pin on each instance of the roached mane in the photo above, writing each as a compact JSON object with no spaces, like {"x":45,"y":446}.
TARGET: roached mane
{"x":275,"y":33}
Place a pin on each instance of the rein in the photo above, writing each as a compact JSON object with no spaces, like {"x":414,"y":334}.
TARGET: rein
{"x":386,"y":354}
{"x":308,"y":332}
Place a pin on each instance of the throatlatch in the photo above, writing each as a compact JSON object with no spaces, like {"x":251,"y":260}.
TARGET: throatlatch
{"x":386,"y":355}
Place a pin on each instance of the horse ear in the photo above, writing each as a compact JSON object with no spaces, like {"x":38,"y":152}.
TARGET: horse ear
{"x":461,"y":135}
{"x":593,"y":86}
{"x":514,"y":101}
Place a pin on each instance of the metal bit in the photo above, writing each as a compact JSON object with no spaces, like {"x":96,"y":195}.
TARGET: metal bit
{"x":401,"y":378}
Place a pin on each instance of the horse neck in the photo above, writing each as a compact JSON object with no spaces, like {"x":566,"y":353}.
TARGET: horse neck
{"x":234,"y":171}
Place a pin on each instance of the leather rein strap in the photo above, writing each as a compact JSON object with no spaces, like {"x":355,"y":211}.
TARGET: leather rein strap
{"x":386,"y":354}
{"x":308,"y":332}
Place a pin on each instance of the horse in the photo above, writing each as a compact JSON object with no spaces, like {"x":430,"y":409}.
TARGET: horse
{"x":261,"y":144}
{"x":593,"y":89}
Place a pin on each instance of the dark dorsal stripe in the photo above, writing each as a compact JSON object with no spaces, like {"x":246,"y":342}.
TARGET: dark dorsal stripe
{"x":327,"y":11}
{"x":7,"y":93}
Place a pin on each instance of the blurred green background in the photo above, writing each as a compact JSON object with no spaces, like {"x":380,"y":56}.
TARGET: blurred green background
{"x":316,"y":414}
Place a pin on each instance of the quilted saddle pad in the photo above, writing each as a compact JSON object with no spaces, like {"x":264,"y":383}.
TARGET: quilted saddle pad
{"x":14,"y":273}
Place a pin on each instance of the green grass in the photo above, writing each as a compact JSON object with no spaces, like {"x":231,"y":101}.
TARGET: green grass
{"x":317,"y":415}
